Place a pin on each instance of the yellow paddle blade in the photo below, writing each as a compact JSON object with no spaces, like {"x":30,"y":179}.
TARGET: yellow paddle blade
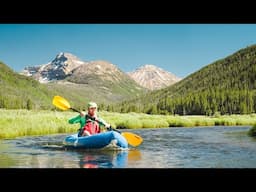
{"x":133,"y":139}
{"x":61,"y":103}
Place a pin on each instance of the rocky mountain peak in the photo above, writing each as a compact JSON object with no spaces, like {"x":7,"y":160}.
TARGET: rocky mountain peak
{"x":66,"y":59}
{"x":102,"y":69}
{"x":59,"y":68}
{"x":153,"y":77}
{"x":148,"y":67}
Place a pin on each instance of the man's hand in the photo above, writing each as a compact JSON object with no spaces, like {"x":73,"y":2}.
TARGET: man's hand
{"x":109,"y":128}
{"x":82,"y":114}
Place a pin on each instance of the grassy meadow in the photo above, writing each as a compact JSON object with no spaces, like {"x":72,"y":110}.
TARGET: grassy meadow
{"x":16,"y":123}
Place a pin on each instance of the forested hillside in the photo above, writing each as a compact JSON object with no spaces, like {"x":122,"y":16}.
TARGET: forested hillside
{"x":226,"y":86}
{"x":23,"y":92}
{"x":20,"y":92}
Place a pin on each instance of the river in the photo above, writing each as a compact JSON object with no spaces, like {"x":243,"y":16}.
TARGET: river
{"x":197,"y":147}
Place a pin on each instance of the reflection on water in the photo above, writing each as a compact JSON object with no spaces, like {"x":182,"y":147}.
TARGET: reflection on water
{"x":46,"y":152}
{"x":108,"y":158}
{"x":201,"y":147}
{"x":103,"y":159}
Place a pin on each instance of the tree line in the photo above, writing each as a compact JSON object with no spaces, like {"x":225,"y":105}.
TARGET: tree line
{"x":227,"y":86}
{"x":208,"y":102}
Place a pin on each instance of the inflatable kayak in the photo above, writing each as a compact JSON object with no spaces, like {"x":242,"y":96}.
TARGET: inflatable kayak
{"x":111,"y":139}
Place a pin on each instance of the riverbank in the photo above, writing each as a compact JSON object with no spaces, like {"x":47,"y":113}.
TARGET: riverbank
{"x":252,"y":131}
{"x":16,"y":123}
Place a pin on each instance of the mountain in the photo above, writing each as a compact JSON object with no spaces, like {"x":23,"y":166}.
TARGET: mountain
{"x":100,"y":81}
{"x":57,"y":69}
{"x":21,"y":92}
{"x":81,"y":81}
{"x":226,"y":86}
{"x":99,"y":72}
{"x":152,"y":77}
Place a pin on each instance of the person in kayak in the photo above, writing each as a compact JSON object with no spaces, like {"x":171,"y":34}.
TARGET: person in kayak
{"x":90,"y":122}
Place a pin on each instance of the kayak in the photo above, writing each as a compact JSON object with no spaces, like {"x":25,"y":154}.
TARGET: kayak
{"x":109,"y":139}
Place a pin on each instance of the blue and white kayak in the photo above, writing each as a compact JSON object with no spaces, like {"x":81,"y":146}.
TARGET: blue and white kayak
{"x":110,"y":139}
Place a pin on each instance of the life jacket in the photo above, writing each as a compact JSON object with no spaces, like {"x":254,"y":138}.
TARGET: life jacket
{"x":91,"y":126}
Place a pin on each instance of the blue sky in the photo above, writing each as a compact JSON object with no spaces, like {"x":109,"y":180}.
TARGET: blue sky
{"x":178,"y":48}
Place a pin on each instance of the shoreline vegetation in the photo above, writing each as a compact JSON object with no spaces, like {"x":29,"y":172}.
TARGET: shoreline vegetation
{"x":21,"y":122}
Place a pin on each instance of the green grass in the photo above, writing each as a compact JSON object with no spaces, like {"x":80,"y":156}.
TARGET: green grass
{"x":16,"y":123}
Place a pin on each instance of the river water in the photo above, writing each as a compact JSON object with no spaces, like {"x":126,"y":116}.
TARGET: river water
{"x":197,"y":147}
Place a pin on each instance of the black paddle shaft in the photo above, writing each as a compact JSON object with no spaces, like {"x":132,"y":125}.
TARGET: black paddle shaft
{"x":75,"y":110}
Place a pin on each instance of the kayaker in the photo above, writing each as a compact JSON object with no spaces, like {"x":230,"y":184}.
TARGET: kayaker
{"x":90,"y":122}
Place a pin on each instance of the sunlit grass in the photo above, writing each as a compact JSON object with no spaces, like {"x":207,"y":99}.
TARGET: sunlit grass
{"x":15,"y":123}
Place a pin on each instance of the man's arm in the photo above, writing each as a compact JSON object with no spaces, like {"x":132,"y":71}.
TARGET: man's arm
{"x":75,"y":119}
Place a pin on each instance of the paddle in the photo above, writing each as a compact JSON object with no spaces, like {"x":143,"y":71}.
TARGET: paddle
{"x":133,"y":139}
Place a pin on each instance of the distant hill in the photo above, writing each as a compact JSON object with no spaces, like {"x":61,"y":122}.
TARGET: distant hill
{"x":153,"y":77}
{"x":82,"y":81}
{"x":20,"y":92}
{"x":100,"y":81}
{"x":227,"y":86}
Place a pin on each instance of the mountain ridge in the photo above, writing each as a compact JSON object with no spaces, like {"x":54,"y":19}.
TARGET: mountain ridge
{"x":67,"y":66}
